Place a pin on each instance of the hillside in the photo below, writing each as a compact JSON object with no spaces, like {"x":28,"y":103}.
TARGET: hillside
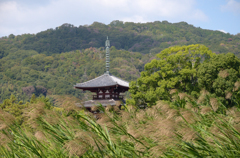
{"x":52,"y":61}
{"x":25,"y":72}
{"x":137,"y":37}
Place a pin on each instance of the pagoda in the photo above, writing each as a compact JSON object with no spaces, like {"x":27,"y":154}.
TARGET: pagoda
{"x":107,"y":88}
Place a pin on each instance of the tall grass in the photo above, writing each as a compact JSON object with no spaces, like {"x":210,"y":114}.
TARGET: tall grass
{"x":185,"y":127}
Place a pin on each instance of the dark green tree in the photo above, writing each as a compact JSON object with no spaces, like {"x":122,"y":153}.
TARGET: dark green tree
{"x":176,"y":68}
{"x":219,"y":75}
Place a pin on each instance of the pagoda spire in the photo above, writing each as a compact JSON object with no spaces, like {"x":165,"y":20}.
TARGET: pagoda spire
{"x":107,"y":44}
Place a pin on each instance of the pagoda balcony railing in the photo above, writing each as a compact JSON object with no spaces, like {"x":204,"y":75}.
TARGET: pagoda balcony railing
{"x":100,"y":97}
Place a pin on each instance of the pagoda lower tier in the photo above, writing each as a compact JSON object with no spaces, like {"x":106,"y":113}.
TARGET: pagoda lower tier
{"x":104,"y":102}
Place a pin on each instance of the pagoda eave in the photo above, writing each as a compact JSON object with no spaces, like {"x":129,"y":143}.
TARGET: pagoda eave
{"x":95,"y":88}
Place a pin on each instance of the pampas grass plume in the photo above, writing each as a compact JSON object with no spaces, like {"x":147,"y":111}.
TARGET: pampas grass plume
{"x":94,"y":108}
{"x":214,"y":104}
{"x":182,"y":95}
{"x":172,"y":91}
{"x":205,"y":109}
{"x":236,"y":86}
{"x":228,"y":95}
{"x":108,"y":108}
{"x":40,"y":135}
{"x":188,"y":105}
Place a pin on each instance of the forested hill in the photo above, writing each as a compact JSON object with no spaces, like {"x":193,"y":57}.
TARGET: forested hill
{"x":52,"y":61}
{"x":25,"y":72}
{"x":137,"y":37}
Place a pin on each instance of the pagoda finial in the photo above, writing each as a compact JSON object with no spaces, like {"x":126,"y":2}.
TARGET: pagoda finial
{"x":107,"y":44}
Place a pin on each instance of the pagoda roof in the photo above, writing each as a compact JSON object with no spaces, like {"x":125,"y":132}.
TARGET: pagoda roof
{"x":105,"y":80}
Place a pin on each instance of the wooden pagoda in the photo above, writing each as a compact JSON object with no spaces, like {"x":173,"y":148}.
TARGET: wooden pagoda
{"x":107,"y":88}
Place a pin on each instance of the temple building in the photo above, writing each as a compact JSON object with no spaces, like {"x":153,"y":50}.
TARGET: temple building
{"x":107,"y":88}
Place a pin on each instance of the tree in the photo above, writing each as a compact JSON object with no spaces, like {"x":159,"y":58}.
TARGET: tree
{"x":176,"y":68}
{"x":11,"y":36}
{"x":16,"y":109}
{"x":219,"y":75}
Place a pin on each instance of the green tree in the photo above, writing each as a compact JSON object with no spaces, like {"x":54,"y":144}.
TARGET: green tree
{"x":11,"y":36}
{"x":219,"y":75}
{"x":176,"y":68}
{"x":16,"y":109}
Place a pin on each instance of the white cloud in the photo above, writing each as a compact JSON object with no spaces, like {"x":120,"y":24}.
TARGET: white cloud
{"x":232,"y":6}
{"x":19,"y":18}
{"x":223,"y":31}
{"x":135,"y":19}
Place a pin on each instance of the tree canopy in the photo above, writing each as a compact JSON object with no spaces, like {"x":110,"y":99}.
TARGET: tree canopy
{"x":145,"y":38}
{"x":188,"y":69}
{"x":219,"y":75}
{"x":25,"y":72}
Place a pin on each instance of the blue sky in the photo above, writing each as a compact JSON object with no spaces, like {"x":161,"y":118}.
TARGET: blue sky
{"x":29,"y":16}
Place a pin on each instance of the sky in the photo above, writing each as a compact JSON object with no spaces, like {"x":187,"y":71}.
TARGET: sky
{"x":32,"y":16}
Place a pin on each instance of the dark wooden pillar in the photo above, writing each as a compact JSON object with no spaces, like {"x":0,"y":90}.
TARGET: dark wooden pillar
{"x":104,"y":90}
{"x":118,"y":95}
{"x":111,"y":91}
{"x":98,"y":94}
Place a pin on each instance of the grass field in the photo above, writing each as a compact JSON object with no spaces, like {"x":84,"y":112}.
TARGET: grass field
{"x":181,"y":128}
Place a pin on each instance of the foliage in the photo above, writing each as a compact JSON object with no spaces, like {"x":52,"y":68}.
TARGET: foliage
{"x":17,"y":108}
{"x":224,"y":143}
{"x":36,"y":63}
{"x":73,"y":135}
{"x":11,"y":106}
{"x":164,"y":130}
{"x":33,"y":73}
{"x":176,"y":68}
{"x":146,"y":38}
{"x":219,"y":76}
